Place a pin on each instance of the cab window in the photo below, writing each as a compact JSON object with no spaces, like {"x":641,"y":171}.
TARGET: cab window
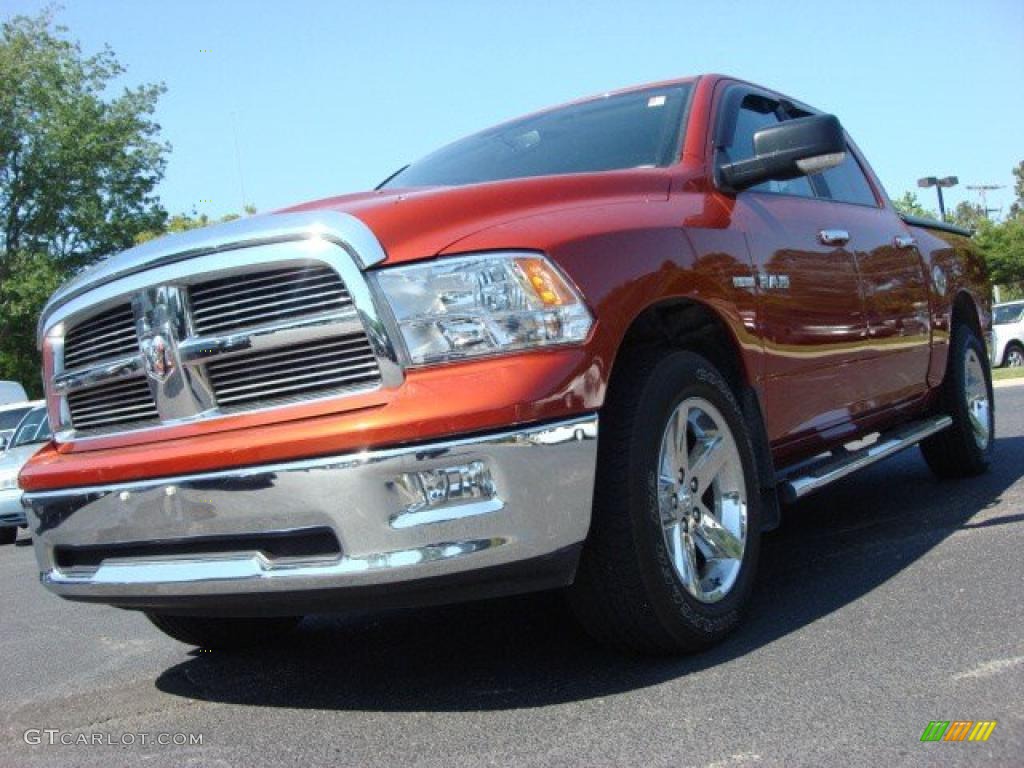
{"x":846,"y":183}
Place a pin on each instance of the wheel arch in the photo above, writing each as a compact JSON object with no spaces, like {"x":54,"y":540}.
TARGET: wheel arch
{"x":687,"y":323}
{"x":965,"y":310}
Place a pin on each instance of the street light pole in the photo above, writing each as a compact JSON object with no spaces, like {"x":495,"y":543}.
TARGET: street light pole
{"x":933,"y":181}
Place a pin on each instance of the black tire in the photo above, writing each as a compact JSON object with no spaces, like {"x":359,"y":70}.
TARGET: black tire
{"x":627,"y":594}
{"x":956,"y":452}
{"x":1013,"y":348}
{"x":8,"y":535}
{"x":224,"y":633}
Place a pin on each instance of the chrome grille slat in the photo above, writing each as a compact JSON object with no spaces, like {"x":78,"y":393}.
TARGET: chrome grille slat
{"x":308,"y":293}
{"x":98,"y":396}
{"x":328,"y":357}
{"x":86,"y":412}
{"x":204,"y":289}
{"x":273,"y":379}
{"x":95,"y":352}
{"x":343,"y":344}
{"x":123,"y":311}
{"x":108,"y":335}
{"x":101,"y":407}
{"x":328,"y":383}
{"x":222,"y":294}
{"x":213,"y":313}
{"x":313,"y":368}
{"x":258,"y":318}
{"x":265,"y":296}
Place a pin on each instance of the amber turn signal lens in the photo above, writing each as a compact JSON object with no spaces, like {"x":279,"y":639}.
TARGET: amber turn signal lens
{"x":546,"y":283}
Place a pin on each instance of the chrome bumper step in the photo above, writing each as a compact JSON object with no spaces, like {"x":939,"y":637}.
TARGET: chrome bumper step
{"x":807,"y":478}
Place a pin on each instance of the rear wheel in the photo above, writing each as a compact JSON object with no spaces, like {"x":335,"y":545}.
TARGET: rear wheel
{"x":965,"y":449}
{"x":670,"y":559}
{"x":1014,"y":357}
{"x":8,"y":535}
{"x":223,"y":633}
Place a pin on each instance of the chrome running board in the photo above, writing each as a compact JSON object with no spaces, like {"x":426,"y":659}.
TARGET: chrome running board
{"x":801,"y":480}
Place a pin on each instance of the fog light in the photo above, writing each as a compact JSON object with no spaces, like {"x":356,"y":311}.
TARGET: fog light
{"x":429,"y":495}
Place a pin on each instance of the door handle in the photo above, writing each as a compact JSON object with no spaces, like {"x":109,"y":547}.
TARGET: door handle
{"x":904,"y":241}
{"x":834,"y":236}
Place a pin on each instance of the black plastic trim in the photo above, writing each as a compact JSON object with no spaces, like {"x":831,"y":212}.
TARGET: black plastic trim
{"x":319,"y":541}
{"x":919,"y":221}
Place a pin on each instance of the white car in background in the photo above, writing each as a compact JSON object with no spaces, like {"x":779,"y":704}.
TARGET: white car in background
{"x":31,"y":433}
{"x":1008,"y":334}
{"x":10,"y":417}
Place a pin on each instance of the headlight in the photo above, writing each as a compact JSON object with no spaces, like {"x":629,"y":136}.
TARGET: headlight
{"x":8,"y":482}
{"x":482,"y":304}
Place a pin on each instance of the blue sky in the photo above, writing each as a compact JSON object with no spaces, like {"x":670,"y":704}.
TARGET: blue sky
{"x":330,"y":97}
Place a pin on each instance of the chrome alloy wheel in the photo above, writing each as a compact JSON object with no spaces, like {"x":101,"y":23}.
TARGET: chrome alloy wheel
{"x":1014,"y":358}
{"x":702,"y":499}
{"x":976,"y":392}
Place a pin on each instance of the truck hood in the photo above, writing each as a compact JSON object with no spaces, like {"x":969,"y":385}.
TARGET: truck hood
{"x":417,"y":223}
{"x":409,"y":223}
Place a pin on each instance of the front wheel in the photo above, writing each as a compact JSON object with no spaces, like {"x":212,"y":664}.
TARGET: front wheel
{"x":8,"y":535}
{"x":965,"y":448}
{"x":670,"y":559}
{"x":223,"y":633}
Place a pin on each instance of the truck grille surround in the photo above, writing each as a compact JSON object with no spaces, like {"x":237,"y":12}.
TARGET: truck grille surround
{"x":260,"y":327}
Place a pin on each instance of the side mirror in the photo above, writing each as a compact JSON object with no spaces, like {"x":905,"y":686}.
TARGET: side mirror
{"x":788,"y":150}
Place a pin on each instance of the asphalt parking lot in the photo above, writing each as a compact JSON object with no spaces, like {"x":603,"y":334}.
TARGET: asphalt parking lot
{"x":886,"y":602}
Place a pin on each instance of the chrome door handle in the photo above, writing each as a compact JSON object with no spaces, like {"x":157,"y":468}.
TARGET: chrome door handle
{"x":904,"y":241}
{"x":834,"y":236}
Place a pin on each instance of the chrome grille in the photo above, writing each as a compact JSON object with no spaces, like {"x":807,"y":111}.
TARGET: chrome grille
{"x":316,"y":368}
{"x":108,"y":335}
{"x":245,"y":301}
{"x":120,"y":405}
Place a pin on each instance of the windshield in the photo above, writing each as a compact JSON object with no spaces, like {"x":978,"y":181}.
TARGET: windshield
{"x":632,"y":130}
{"x":35,"y":428}
{"x":9,"y":419}
{"x":1011,"y":313}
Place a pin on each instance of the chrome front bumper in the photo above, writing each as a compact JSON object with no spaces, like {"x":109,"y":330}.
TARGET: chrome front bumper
{"x":132,"y":544}
{"x":11,"y":513}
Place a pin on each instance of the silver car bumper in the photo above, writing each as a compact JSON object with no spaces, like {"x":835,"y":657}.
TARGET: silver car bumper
{"x":11,"y":512}
{"x":293,"y":537}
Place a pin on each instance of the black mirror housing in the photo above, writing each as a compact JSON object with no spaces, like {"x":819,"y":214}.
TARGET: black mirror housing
{"x":788,"y":150}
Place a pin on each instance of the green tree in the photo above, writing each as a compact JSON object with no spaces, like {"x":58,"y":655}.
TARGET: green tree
{"x":183,"y":222}
{"x":1017,"y":209}
{"x":78,"y":170}
{"x":968,"y":215}
{"x":33,"y":278}
{"x":908,"y":204}
{"x":1003,"y":246}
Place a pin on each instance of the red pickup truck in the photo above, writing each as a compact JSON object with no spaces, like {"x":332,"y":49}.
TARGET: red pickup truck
{"x":597,"y":348}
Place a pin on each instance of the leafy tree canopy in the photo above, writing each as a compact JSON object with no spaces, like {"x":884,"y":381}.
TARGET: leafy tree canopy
{"x":78,"y":167}
{"x":909,"y":205}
